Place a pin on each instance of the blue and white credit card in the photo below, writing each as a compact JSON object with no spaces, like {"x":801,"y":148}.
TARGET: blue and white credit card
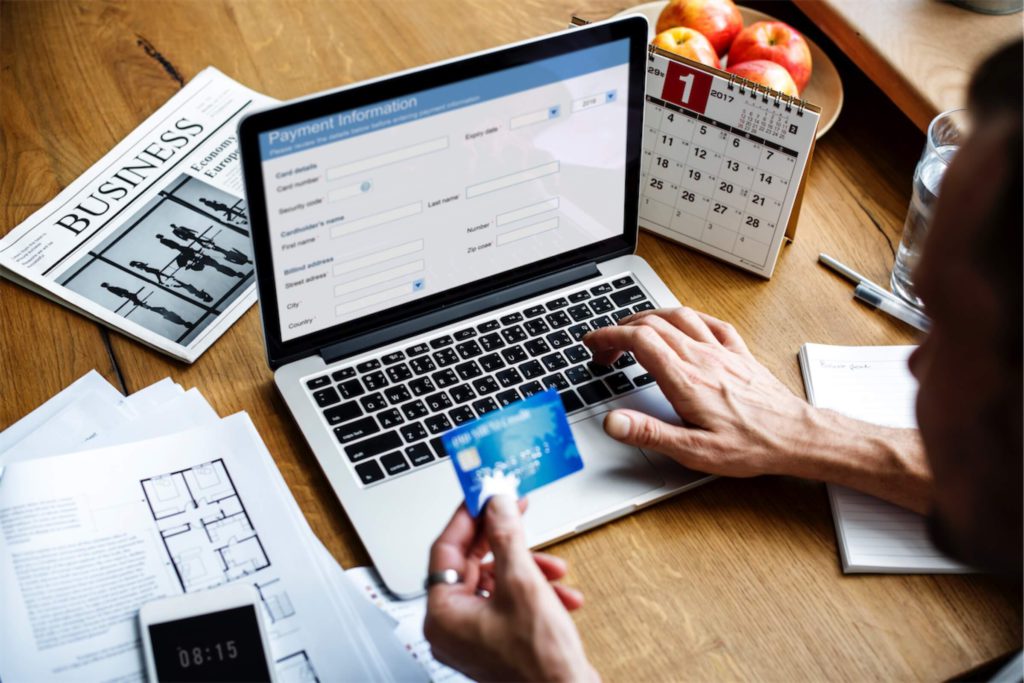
{"x":514,"y":450}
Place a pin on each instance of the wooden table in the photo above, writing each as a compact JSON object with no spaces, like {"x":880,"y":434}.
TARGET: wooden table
{"x":739,"y":579}
{"x":920,"y":52}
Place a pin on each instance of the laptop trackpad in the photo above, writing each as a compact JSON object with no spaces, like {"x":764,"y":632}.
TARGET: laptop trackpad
{"x":612,"y":474}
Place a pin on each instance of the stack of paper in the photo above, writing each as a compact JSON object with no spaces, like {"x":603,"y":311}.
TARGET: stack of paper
{"x":108,"y":502}
{"x":872,"y":383}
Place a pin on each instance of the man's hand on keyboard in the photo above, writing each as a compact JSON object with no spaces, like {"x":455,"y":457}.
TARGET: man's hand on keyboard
{"x":507,"y":619}
{"x":739,"y":420}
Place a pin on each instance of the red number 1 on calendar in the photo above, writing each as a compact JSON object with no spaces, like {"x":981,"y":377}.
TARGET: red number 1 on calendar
{"x":686,"y":87}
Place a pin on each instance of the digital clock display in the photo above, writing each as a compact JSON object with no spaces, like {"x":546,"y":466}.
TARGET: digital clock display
{"x":219,"y":646}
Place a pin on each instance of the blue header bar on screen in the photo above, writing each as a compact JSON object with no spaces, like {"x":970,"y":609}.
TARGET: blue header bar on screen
{"x":347,"y":124}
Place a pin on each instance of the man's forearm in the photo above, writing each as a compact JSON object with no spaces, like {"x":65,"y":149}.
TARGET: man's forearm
{"x":881,"y":461}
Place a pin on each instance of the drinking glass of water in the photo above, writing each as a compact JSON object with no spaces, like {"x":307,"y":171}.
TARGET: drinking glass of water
{"x":945,"y":133}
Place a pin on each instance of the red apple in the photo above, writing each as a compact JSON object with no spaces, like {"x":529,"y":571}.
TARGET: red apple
{"x":766,"y":73}
{"x":718,"y":20}
{"x":777,"y":42}
{"x":688,"y":43}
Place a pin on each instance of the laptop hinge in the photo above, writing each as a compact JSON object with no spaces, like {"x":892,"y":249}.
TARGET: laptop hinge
{"x":465,"y":309}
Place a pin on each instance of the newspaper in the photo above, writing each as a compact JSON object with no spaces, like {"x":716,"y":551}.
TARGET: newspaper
{"x":153,"y":240}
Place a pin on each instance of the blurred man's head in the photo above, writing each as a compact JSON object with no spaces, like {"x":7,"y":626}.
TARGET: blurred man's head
{"x":970,"y":277}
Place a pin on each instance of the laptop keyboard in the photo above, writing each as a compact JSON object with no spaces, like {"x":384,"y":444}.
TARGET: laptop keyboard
{"x":388,"y":413}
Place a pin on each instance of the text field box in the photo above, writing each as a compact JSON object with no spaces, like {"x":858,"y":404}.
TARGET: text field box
{"x":527,"y":231}
{"x":378,"y":277}
{"x":377,"y":219}
{"x":526,"y":211}
{"x":376,"y":257}
{"x":374,"y":299}
{"x":533,"y":117}
{"x":348,"y":191}
{"x":512,"y":179}
{"x":392,"y":157}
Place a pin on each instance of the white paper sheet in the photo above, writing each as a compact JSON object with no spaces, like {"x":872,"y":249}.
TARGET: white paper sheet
{"x":872,"y":383}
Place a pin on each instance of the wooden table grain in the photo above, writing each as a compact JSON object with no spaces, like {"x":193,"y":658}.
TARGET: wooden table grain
{"x":739,"y":579}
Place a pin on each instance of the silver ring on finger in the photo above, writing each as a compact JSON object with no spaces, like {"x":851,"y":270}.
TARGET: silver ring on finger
{"x":445,"y":577}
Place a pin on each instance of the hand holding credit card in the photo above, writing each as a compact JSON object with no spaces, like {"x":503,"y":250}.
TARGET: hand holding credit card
{"x":513,"y":450}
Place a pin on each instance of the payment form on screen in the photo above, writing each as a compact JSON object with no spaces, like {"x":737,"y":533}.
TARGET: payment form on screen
{"x":378,"y":206}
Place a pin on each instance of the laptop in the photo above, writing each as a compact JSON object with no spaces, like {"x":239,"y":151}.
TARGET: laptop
{"x":433,"y":245}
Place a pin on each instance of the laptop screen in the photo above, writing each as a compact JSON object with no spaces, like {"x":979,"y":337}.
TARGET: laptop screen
{"x":378,"y":206}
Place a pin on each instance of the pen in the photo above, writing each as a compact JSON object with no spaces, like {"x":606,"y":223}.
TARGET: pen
{"x":871,"y":295}
{"x":844,"y":270}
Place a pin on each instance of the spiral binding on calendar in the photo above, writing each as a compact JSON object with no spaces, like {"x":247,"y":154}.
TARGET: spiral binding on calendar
{"x":742,"y":85}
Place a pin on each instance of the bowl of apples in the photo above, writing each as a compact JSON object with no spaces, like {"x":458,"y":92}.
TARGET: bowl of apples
{"x":750,"y":44}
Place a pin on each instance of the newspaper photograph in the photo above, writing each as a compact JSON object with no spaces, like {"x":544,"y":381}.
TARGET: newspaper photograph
{"x":153,"y":240}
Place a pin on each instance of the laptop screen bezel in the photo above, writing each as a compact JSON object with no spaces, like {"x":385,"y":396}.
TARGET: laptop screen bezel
{"x":279,"y":352}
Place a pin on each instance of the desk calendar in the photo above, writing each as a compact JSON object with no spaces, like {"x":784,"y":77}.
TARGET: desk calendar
{"x":723,"y":161}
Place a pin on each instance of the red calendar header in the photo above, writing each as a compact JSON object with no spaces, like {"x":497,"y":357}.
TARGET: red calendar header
{"x":687,"y":87}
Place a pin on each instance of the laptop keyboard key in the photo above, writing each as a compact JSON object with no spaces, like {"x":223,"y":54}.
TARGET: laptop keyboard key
{"x":469,"y":370}
{"x":417,"y":350}
{"x":344,"y":373}
{"x":463,"y":335}
{"x":422,"y":365}
{"x":628,"y":297}
{"x":489,"y":326}
{"x":600,"y":289}
{"x":491,"y":362}
{"x":462,"y":414}
{"x":375,"y":380}
{"x":419,"y":454}
{"x":577,"y":354}
{"x":375,"y":445}
{"x":369,"y":472}
{"x":463,"y":393}
{"x":511,"y":319}
{"x":570,"y":401}
{"x":326,"y":397}
{"x":578,"y":332}
{"x":484,"y":406}
{"x":514,"y":335}
{"x":393,"y":357}
{"x":558,"y":319}
{"x":394,"y":463}
{"x":490,"y":342}
{"x":598,"y":370}
{"x":373,"y":402}
{"x":368,"y":365}
{"x":414,"y":410}
{"x":621,"y":282}
{"x":533,"y":311}
{"x":445,"y":378}
{"x":644,"y":379}
{"x":390,"y":418}
{"x":594,"y":392}
{"x":618,"y":383}
{"x":421,"y":385}
{"x":485,"y":385}
{"x":507,"y":398}
{"x":537,"y":347}
{"x":437,"y":424}
{"x":621,"y":313}
{"x":624,"y":361}
{"x":554,"y":361}
{"x":397,"y":395}
{"x":446,"y":357}
{"x":578,"y":375}
{"x":556,"y":381}
{"x":559,"y":339}
{"x":399,"y":373}
{"x":514,"y":355}
{"x":438,"y":447}
{"x":531,"y":369}
{"x":469,"y":349}
{"x":509,"y":377}
{"x":603,"y":321}
{"x":602,"y":305}
{"x":413,"y":432}
{"x":580,"y":312}
{"x":354,"y":431}
{"x":579,"y":296}
{"x":536,"y":327}
{"x":438,"y":402}
{"x":318,"y":382}
{"x":643,"y":306}
{"x":560,"y":302}
{"x":531,"y":388}
{"x":343,"y":413}
{"x":446,"y":340}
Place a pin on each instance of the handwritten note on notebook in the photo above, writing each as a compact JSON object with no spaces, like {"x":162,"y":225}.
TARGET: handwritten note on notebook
{"x":872,"y":383}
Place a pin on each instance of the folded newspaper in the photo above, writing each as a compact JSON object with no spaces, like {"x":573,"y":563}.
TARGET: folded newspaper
{"x":153,"y":240}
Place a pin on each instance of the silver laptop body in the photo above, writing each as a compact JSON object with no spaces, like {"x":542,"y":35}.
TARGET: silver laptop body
{"x":433,"y":245}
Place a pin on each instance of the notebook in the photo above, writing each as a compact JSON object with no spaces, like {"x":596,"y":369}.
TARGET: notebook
{"x":872,"y":383}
